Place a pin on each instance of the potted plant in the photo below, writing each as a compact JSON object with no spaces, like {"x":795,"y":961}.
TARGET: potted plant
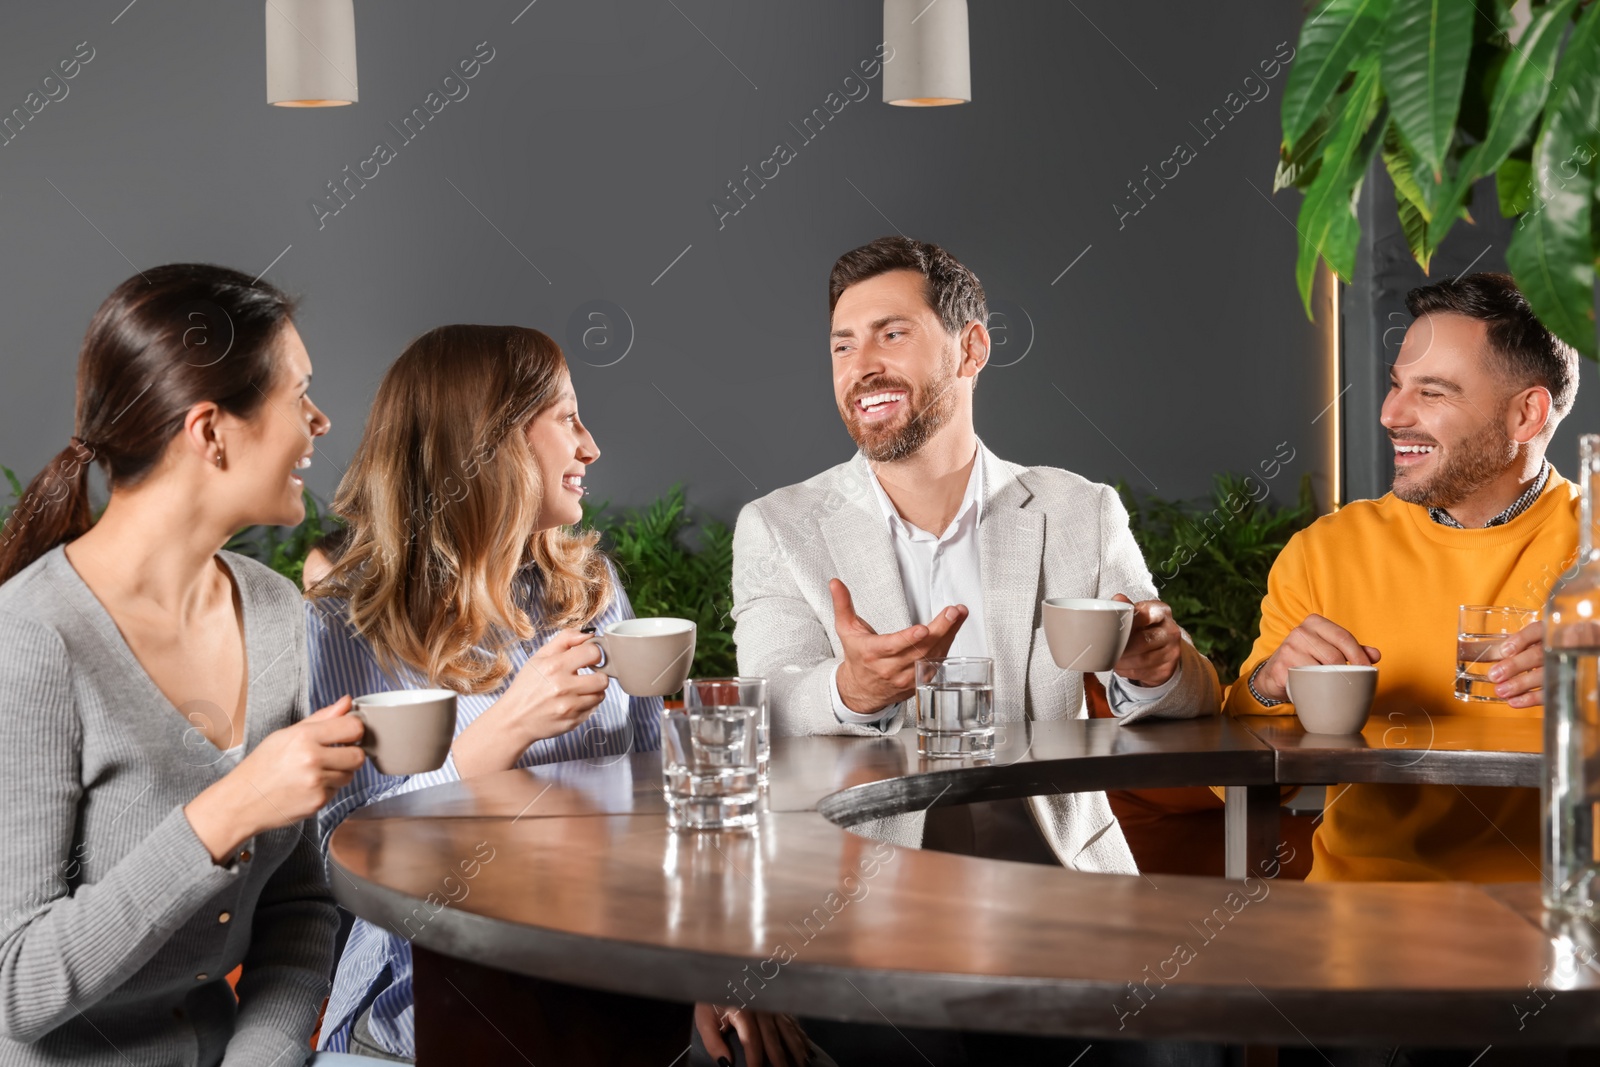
{"x":1447,"y":92}
{"x":1210,"y":559}
{"x":671,"y":569}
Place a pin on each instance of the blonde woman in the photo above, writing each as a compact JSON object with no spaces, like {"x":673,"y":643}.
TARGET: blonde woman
{"x":461,"y":569}
{"x":160,"y":762}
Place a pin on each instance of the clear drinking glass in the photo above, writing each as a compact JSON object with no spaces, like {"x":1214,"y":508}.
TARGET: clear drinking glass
{"x":747,"y":692}
{"x":1572,"y":717}
{"x":708,"y":766}
{"x":1478,"y":635}
{"x":955,"y":707}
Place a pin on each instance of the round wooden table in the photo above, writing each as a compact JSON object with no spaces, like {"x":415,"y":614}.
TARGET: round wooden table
{"x":547,"y":901}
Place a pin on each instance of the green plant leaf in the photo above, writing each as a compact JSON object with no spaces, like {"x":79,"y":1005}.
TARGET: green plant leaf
{"x":1521,"y":89}
{"x":1327,"y":223}
{"x":1299,"y":167}
{"x":1577,"y":77}
{"x":1445,"y":205}
{"x":665,"y":573}
{"x":1551,"y":255}
{"x":1210,"y":558}
{"x":1513,"y":183}
{"x":1417,"y":221}
{"x":1491,"y":45}
{"x":1397,"y":161}
{"x":1335,"y":37}
{"x":1415,"y":227}
{"x":17,"y":489}
{"x":1426,"y":46}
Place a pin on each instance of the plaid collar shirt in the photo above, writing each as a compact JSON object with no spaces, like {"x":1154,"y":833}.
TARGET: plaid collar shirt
{"x":1518,"y":506}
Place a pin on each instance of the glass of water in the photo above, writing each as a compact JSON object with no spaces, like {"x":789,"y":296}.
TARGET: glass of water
{"x":748,"y":692}
{"x":955,"y":707}
{"x":1478,"y":636}
{"x":708,"y":766}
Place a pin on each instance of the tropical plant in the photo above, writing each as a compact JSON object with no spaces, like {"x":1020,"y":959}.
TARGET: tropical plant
{"x":1447,"y":92}
{"x":1210,"y":559}
{"x":666,"y":574}
{"x":16,"y":494}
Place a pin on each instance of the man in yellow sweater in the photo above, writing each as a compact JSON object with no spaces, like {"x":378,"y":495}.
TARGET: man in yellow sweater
{"x":1477,"y":515}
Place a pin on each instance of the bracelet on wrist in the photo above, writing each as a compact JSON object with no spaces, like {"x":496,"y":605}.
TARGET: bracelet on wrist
{"x":1250,"y":684}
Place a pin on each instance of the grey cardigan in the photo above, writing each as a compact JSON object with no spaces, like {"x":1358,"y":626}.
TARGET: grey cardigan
{"x":117,"y":930}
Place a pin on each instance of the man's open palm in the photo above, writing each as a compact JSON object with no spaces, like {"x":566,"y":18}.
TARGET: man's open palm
{"x":879,"y":669}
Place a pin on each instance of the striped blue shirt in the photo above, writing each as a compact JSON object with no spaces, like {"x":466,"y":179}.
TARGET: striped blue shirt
{"x":375,"y":968}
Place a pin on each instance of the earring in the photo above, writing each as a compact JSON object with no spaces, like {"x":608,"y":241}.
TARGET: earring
{"x":219,"y":459}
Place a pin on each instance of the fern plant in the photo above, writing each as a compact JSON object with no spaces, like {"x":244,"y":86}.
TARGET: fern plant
{"x":1210,"y":560}
{"x":668,"y":573}
{"x":16,"y":494}
{"x":663,"y":573}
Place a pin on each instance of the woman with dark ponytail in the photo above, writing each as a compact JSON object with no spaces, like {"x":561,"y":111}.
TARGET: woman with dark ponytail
{"x":158,"y":758}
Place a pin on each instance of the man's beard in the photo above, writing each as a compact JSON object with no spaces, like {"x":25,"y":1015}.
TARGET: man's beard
{"x":1466,"y":468}
{"x":929,"y":409}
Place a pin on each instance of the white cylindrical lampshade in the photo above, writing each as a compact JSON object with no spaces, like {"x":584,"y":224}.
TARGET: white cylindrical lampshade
{"x":311,"y":53}
{"x":927,"y":62}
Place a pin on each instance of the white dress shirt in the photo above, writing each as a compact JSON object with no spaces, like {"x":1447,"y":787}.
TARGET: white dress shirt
{"x":938,"y":571}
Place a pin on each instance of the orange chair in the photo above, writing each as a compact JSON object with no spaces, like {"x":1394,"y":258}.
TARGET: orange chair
{"x":1181,"y":831}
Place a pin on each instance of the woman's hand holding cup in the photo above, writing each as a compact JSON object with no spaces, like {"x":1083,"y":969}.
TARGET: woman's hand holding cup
{"x":556,"y":697}
{"x":547,"y":698}
{"x":288,"y":777}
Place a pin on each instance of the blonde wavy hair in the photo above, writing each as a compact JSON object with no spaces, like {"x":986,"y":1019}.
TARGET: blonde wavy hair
{"x":442,"y":499}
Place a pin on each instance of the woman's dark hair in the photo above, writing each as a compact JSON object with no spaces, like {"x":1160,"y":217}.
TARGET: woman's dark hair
{"x":952,"y":290}
{"x":164,"y":340}
{"x":1528,"y":352}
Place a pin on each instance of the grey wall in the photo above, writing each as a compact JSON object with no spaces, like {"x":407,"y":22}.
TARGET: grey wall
{"x":590,"y":148}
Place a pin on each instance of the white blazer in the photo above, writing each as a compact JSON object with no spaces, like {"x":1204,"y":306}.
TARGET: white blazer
{"x":1044,"y":533}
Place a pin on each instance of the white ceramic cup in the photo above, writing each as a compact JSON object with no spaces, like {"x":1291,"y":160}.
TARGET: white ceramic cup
{"x":1333,"y":698}
{"x":407,"y":731}
{"x":1086,"y":635}
{"x":650,"y":657}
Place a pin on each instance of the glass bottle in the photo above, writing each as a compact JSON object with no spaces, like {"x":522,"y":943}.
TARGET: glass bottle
{"x":1572,"y":715}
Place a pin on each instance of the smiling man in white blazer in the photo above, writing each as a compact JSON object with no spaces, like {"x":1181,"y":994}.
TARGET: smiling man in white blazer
{"x":926,"y":544}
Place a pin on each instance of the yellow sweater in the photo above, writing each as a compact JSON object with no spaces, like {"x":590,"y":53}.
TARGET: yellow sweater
{"x":1394,"y":578}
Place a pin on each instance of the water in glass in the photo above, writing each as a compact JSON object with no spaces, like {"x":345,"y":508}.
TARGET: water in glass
{"x":708,"y":765}
{"x":1479,"y":633}
{"x":749,"y":691}
{"x":955,"y":707}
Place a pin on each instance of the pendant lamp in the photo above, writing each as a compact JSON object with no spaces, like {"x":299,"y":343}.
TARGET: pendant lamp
{"x":927,"y":62}
{"x":311,"y":53}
